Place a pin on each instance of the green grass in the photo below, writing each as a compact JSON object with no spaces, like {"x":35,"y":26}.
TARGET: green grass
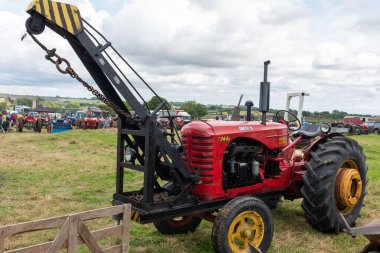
{"x":44,"y":175}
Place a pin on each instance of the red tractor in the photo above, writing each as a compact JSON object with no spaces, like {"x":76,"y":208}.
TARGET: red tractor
{"x":35,"y":121}
{"x":30,"y":120}
{"x":90,"y":118}
{"x":229,"y":173}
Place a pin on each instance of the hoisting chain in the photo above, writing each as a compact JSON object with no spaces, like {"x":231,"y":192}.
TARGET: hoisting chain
{"x":51,"y":54}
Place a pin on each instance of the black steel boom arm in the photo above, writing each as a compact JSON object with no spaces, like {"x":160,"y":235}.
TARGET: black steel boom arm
{"x":143,"y":135}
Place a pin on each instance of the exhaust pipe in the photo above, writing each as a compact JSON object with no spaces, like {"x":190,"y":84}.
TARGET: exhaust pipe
{"x":264,"y":94}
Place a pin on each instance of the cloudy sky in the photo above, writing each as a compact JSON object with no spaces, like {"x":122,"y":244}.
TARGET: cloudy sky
{"x":212,"y":51}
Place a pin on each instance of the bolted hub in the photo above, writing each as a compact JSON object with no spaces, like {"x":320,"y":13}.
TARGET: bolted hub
{"x":246,"y":229}
{"x":348,"y":187}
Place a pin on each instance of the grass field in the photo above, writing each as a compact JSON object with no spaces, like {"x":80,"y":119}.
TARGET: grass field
{"x":43,"y":175}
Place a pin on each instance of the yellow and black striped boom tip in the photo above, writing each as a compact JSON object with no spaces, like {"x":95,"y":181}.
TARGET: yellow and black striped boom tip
{"x":135,"y":216}
{"x":66,"y":16}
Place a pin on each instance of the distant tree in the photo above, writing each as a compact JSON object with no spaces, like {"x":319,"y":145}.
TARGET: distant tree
{"x":155,"y":101}
{"x":24,"y":101}
{"x":211,"y":107}
{"x":195,"y":109}
{"x":307,"y":113}
{"x":72,"y":105}
{"x":3,"y":106}
{"x":335,"y":114}
{"x":106,"y":108}
{"x":40,"y":101}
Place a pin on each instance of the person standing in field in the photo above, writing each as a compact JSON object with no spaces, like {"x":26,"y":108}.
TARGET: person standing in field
{"x":20,"y":122}
{"x":39,"y":124}
{"x":5,"y":124}
{"x":14,"y":119}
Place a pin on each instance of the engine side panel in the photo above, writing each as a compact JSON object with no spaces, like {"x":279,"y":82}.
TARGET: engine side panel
{"x":206,"y":143}
{"x":273,"y":135}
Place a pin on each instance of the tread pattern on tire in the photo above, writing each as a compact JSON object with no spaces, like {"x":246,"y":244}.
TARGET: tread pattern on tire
{"x":319,"y":181}
{"x":220,"y":223}
{"x":165,"y":228}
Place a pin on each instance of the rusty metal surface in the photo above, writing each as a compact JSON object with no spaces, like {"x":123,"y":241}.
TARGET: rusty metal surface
{"x":158,"y":197}
{"x":372,"y":232}
{"x":372,"y":228}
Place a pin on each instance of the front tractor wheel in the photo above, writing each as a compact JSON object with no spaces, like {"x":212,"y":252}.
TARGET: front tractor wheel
{"x":335,"y":182}
{"x":180,"y":225}
{"x":243,"y":224}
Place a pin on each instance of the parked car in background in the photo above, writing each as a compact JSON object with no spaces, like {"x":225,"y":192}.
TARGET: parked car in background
{"x":56,"y":116}
{"x":184,"y":116}
{"x":374,"y":127}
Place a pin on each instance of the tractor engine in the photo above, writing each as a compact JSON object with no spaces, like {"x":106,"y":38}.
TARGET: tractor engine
{"x":232,"y":157}
{"x":241,"y":164}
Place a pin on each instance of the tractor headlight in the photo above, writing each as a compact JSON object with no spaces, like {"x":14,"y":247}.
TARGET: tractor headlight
{"x":130,"y":154}
{"x":325,"y":127}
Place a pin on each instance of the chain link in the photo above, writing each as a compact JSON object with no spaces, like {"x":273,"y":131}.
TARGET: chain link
{"x":53,"y":57}
{"x":96,"y":93}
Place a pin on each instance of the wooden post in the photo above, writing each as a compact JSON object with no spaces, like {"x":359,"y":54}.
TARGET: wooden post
{"x":73,"y":233}
{"x":126,"y":229}
{"x":2,"y":246}
{"x":60,"y":238}
{"x":87,"y":238}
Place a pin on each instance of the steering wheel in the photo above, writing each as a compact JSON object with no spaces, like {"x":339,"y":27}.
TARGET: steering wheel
{"x":292,"y":122}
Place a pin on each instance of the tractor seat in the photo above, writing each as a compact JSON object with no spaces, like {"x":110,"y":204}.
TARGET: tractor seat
{"x":309,"y":131}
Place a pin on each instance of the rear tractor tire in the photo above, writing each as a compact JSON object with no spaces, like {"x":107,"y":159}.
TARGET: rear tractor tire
{"x":335,"y":182}
{"x":243,"y":224}
{"x":180,"y":225}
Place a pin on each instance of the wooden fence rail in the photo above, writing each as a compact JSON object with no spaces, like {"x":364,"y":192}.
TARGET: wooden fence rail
{"x":73,"y":232}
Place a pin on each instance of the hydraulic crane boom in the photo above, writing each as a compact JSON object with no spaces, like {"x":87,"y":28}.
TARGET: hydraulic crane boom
{"x":139,"y":135}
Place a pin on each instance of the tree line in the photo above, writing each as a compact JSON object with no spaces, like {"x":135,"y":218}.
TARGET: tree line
{"x":195,"y":109}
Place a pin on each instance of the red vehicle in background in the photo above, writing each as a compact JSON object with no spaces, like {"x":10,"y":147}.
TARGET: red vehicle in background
{"x":357,"y":125}
{"x":31,"y":117}
{"x":355,"y":120}
{"x":30,"y":120}
{"x":179,"y":117}
{"x":90,"y":118}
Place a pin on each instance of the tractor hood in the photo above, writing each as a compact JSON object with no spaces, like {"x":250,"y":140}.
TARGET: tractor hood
{"x":273,"y":135}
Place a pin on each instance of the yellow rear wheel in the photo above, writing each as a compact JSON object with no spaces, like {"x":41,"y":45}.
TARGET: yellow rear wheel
{"x":348,"y":186}
{"x":335,"y":182}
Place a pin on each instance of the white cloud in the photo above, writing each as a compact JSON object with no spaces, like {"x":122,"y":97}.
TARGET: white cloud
{"x":212,"y":51}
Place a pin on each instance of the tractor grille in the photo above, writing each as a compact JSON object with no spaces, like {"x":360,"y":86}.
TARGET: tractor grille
{"x":200,"y":151}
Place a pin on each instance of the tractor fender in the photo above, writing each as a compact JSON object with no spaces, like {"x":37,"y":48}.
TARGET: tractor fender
{"x":315,"y":144}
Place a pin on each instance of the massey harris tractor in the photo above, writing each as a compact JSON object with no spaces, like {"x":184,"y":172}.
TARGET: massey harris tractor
{"x":91,"y":118}
{"x":230,"y":173}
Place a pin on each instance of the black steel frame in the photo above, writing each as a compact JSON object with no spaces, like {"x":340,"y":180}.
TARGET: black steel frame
{"x":154,"y":150}
{"x":142,"y":134}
